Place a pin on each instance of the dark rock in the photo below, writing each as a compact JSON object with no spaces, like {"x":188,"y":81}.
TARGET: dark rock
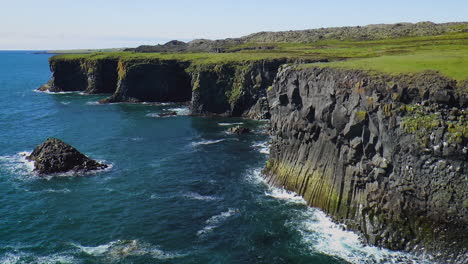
{"x":166,"y":114}
{"x":55,"y":156}
{"x":239,"y":130}
{"x":400,"y":186}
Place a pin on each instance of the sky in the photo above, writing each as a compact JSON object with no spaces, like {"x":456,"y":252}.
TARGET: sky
{"x":67,"y":24}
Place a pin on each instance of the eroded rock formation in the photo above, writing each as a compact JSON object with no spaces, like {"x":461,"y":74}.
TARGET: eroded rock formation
{"x":55,"y":156}
{"x":386,"y":155}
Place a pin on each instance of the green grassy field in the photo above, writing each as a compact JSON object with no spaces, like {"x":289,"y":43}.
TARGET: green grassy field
{"x":447,"y":54}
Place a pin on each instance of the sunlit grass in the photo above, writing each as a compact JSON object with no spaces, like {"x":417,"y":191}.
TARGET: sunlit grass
{"x":447,"y":54}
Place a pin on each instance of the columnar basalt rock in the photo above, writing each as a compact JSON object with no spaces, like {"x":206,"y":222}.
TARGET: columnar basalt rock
{"x":386,"y":155}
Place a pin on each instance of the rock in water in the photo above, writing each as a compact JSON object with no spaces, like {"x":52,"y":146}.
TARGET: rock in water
{"x":55,"y":156}
{"x":239,"y":130}
{"x":166,"y":114}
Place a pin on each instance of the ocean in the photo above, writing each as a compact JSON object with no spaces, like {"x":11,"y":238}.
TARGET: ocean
{"x":179,"y":189}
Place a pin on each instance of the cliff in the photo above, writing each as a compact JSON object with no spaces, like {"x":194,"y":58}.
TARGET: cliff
{"x":90,"y":76}
{"x":221,"y":87}
{"x":387,"y":155}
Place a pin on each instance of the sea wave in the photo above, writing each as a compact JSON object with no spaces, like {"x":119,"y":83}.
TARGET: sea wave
{"x":18,"y":164}
{"x":197,"y":196}
{"x":64,"y":190}
{"x":180,"y":110}
{"x":67,"y":92}
{"x":206,"y":142}
{"x":262,"y":147}
{"x":93,"y":103}
{"x":216,"y":220}
{"x":320,"y":234}
{"x":231,"y":124}
{"x":25,"y":258}
{"x":282,"y":194}
{"x":121,"y":249}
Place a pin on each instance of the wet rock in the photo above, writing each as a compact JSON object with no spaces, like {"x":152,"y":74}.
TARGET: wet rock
{"x":166,"y":114}
{"x":54,"y":156}
{"x":239,"y":130}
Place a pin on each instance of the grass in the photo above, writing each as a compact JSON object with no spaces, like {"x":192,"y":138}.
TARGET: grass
{"x":447,"y":54}
{"x":450,"y":63}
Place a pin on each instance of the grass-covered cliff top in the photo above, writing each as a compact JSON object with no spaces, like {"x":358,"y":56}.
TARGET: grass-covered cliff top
{"x":447,"y":53}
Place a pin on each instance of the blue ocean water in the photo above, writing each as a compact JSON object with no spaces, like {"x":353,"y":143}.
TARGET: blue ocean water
{"x":180,"y":189}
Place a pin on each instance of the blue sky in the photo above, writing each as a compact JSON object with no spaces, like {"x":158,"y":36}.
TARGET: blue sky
{"x":66,"y":24}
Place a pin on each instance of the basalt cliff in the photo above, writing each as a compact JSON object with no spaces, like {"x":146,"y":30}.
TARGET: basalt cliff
{"x":385,"y":154}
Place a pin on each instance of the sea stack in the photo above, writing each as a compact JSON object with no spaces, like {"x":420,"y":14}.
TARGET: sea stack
{"x":55,"y":156}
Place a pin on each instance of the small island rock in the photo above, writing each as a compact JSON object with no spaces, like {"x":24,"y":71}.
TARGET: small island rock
{"x":54,"y":156}
{"x":239,"y":130}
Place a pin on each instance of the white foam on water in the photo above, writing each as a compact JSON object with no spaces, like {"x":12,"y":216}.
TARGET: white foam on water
{"x":18,"y":164}
{"x":197,"y":196}
{"x":320,"y":234}
{"x":64,"y":190}
{"x":93,"y":103}
{"x":65,"y":102}
{"x":230,"y":124}
{"x":206,"y":142}
{"x":262,"y":147}
{"x":283,"y":194}
{"x":121,"y":249}
{"x":49,"y":92}
{"x":26,"y":258}
{"x":216,"y":220}
{"x":180,"y":110}
{"x":152,"y":115}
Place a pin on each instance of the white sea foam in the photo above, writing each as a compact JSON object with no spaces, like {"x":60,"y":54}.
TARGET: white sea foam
{"x":216,"y":220}
{"x":24,"y":258}
{"x":230,"y":124}
{"x":120,"y":249}
{"x":64,"y":190}
{"x":65,"y":102}
{"x":67,"y":92}
{"x":180,"y":110}
{"x":197,"y":196}
{"x":206,"y":142}
{"x":93,"y":103}
{"x":285,"y":195}
{"x":321,"y":234}
{"x":262,"y":147}
{"x":18,"y":164}
{"x":152,"y":115}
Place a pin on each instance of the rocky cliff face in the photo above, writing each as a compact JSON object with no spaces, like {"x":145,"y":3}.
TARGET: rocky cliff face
{"x":229,"y":88}
{"x":233,"y":89}
{"x":152,"y":81}
{"x":386,"y":155}
{"x":96,"y":76}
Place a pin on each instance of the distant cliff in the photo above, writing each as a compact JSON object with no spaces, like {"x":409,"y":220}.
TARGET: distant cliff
{"x":228,"y":88}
